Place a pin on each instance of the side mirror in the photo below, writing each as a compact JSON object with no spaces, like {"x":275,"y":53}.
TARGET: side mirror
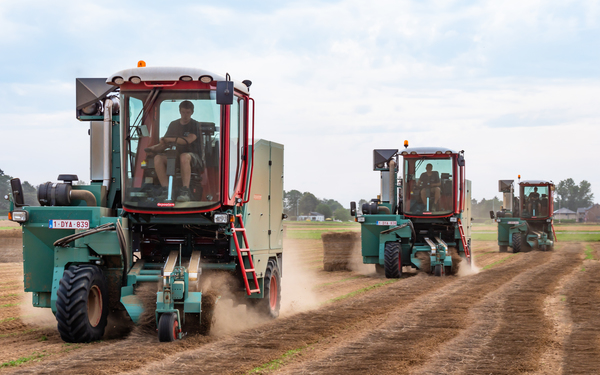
{"x":492,"y":216}
{"x":17,"y":192}
{"x":352,"y":208}
{"x":461,"y":160}
{"x":225,"y":92}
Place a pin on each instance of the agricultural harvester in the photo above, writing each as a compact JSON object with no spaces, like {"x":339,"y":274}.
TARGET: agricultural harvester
{"x":421,"y":220}
{"x":526,"y":222}
{"x":179,"y":191}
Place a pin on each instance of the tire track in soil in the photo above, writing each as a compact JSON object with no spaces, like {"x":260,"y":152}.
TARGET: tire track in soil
{"x":582,"y":346}
{"x":412,"y":334}
{"x":243,"y":351}
{"x":511,"y":332}
{"x":256,"y":347}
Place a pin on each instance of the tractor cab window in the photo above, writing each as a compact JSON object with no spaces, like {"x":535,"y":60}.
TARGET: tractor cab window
{"x":429,"y":186}
{"x":171,"y":145}
{"x":534,"y":201}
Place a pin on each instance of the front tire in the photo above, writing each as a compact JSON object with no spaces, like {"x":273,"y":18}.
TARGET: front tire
{"x":82,"y":304}
{"x":393,"y":266}
{"x":516,"y":240}
{"x":168,"y":327}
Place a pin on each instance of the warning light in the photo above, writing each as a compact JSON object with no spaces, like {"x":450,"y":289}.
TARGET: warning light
{"x":519,"y":177}
{"x":141,"y":64}
{"x":406,"y":143}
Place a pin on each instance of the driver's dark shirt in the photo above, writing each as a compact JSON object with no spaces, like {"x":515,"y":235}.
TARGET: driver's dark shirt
{"x":534,"y":195}
{"x":426,"y":180}
{"x":176,"y":129}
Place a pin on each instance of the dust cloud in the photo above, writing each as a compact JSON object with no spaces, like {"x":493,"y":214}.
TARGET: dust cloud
{"x":356,"y":264}
{"x":297,"y":283}
{"x":35,"y":316}
{"x":465,"y":269}
{"x":231,"y":314}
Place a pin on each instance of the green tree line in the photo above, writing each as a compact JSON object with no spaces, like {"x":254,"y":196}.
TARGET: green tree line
{"x":296,"y":204}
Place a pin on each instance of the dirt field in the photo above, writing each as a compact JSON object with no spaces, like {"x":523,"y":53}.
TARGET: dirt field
{"x":534,"y":313}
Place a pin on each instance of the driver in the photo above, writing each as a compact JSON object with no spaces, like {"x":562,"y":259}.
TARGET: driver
{"x":534,"y":198}
{"x":183,"y":133}
{"x":430,"y":182}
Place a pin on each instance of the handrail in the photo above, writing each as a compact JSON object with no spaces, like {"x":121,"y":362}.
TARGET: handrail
{"x":252,"y":165}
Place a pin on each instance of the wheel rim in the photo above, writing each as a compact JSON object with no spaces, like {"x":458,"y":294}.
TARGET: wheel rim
{"x":273,"y":293}
{"x":175,"y":327}
{"x":94,"y":306}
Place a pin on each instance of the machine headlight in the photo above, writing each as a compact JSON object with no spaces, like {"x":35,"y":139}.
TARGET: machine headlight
{"x":360,"y":219}
{"x":119,"y":80}
{"x":135,"y":80}
{"x":453,"y":219}
{"x":221,"y":218}
{"x":206,"y":79}
{"x":548,"y":220}
{"x":19,"y":216}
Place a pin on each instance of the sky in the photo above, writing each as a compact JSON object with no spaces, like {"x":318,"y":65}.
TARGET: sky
{"x":515,"y":84}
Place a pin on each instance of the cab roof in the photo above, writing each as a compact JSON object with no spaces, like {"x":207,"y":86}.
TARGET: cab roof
{"x":425,"y":151}
{"x":536,"y":182}
{"x":161,"y":74}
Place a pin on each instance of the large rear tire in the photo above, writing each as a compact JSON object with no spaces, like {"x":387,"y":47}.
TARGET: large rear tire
{"x":168,"y":327}
{"x":82,"y":304}
{"x":516,"y":240}
{"x":270,"y":304}
{"x":393,"y":266}
{"x":437,"y":271}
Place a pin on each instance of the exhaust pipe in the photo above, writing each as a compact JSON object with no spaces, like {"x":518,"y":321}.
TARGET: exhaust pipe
{"x":392,"y":165}
{"x":84,"y":195}
{"x":110,"y":107}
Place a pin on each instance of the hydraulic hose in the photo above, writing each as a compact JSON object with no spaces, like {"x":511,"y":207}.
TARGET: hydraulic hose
{"x":123,"y":247}
{"x":412,"y":228}
{"x":63,"y":242}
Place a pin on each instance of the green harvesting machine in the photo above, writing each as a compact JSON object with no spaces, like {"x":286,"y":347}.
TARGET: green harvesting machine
{"x":422,"y":218}
{"x":526,"y":222}
{"x":179,"y":191}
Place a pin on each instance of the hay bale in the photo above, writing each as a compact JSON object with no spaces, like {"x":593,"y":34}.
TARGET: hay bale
{"x":338,"y":248}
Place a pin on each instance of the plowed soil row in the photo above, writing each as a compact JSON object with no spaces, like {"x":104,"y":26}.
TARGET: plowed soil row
{"x":497,"y":321}
{"x":582,"y":347}
{"x":413,"y":317}
{"x":412,"y":335}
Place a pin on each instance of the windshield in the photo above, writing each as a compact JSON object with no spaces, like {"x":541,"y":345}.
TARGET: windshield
{"x":171,"y":145}
{"x":534,"y":201}
{"x":428,"y":186}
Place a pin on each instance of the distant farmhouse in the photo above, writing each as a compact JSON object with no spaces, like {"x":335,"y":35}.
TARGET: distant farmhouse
{"x":589,"y":215}
{"x":312,"y":216}
{"x":565,"y":214}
